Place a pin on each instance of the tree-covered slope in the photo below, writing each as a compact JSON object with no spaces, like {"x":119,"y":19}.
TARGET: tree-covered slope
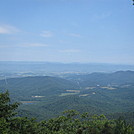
{"x":103,"y":79}
{"x":46,"y":97}
{"x":36,"y":86}
{"x":70,"y":122}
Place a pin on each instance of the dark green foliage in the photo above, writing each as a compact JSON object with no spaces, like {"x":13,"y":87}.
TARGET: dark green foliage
{"x":74,"y":123}
{"x":71,"y":122}
{"x":25,"y":88}
{"x":6,"y":109}
{"x":127,"y":116}
{"x":122,"y":127}
{"x":4,"y":126}
{"x":24,"y":126}
{"x":98,"y":100}
{"x":120,"y":101}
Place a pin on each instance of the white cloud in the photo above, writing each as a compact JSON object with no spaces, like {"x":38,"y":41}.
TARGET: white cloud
{"x":6,"y":29}
{"x":75,"y":35}
{"x":46,"y":34}
{"x":69,"y":51}
{"x":63,"y":41}
{"x":33,"y":45}
{"x":24,"y":45}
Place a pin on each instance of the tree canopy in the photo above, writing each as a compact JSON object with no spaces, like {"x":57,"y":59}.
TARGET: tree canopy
{"x":71,"y":122}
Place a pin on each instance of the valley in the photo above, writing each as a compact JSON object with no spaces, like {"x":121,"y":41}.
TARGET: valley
{"x":45,"y":97}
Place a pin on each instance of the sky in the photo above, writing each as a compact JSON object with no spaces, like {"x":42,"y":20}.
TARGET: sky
{"x":84,"y":31}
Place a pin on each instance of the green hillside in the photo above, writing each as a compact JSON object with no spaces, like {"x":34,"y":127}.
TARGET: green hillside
{"x":25,"y":88}
{"x":45,"y":97}
{"x":103,"y":79}
{"x":69,"y":122}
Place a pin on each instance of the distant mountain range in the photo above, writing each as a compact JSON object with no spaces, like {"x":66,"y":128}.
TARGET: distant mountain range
{"x":104,"y":79}
{"x":49,"y":67}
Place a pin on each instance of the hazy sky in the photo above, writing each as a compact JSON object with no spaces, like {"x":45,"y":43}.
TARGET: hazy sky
{"x":67,"y":31}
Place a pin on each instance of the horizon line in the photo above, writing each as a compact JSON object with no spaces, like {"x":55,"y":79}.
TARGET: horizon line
{"x":60,"y":62}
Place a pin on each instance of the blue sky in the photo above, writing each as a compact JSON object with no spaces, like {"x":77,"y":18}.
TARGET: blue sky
{"x":86,"y":31}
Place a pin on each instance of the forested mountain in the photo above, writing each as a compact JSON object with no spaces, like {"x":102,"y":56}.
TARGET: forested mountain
{"x":70,"y":122}
{"x":103,"y":79}
{"x":37,"y":86}
{"x":45,"y":96}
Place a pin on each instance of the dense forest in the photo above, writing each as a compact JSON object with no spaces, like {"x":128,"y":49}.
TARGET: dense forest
{"x":96,"y":103}
{"x":71,"y":122}
{"x":45,"y":97}
{"x":66,"y":67}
